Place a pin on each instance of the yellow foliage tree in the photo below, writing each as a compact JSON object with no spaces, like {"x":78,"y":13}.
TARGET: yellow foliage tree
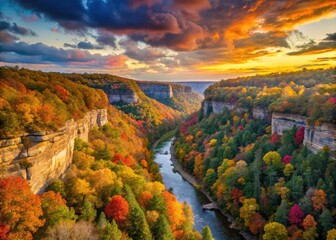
{"x":249,"y":207}
{"x":275,"y":231}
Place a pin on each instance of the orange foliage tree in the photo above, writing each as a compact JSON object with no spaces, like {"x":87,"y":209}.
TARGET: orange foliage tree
{"x":20,"y":209}
{"x":257,"y":223}
{"x":61,"y":92}
{"x":117,"y":209}
{"x":319,"y":199}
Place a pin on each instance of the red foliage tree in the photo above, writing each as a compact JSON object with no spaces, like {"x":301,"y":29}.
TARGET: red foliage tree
{"x":275,"y":138}
{"x":295,"y":215}
{"x":20,"y":209}
{"x":4,"y":229}
{"x":117,"y":209}
{"x":61,"y":92}
{"x":236,"y":194}
{"x":287,"y":159}
{"x":299,"y":135}
{"x":128,"y":161}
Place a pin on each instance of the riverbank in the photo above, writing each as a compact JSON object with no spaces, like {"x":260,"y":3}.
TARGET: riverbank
{"x":189,"y":178}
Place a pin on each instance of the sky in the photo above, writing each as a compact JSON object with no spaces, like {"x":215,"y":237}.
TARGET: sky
{"x":169,"y":40}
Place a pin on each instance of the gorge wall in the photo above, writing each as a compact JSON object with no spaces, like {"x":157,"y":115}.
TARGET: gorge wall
{"x":315,"y":137}
{"x":157,"y":91}
{"x":49,"y":154}
{"x":118,"y":92}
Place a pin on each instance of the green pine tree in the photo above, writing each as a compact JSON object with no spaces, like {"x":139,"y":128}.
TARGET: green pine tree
{"x":138,"y":227}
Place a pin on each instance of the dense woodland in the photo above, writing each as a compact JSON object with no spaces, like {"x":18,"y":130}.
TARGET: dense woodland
{"x":308,"y":92}
{"x":113,"y":189}
{"x":272,"y":185}
{"x":32,"y":101}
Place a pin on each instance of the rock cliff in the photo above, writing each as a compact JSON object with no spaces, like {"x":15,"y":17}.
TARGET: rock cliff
{"x":315,"y":137}
{"x":218,"y":107}
{"x":157,"y":91}
{"x":44,"y":156}
{"x":118,"y":92}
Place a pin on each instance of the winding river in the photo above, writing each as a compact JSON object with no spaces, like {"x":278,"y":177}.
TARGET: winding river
{"x":185,"y":192}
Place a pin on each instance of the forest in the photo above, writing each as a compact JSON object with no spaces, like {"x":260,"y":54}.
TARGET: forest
{"x":272,"y":185}
{"x":113,"y":188}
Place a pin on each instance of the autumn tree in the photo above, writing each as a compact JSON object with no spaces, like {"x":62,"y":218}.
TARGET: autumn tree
{"x":309,"y":225}
{"x":249,"y":207}
{"x":117,"y":209}
{"x":62,"y":93}
{"x":299,"y":135}
{"x":295,"y":215}
{"x":331,"y":235}
{"x":20,"y":209}
{"x":319,"y":199}
{"x":275,"y":231}
{"x":257,"y":223}
{"x":55,"y":209}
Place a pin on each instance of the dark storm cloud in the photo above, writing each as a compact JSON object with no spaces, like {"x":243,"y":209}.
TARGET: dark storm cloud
{"x":245,"y":26}
{"x":106,"y":38}
{"x":14,"y":28}
{"x":22,"y":52}
{"x":133,"y":51}
{"x":83,"y":45}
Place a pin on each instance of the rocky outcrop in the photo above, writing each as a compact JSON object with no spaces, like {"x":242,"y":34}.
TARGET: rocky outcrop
{"x":157,"y":91}
{"x":282,"y":122}
{"x":261,"y":113}
{"x":218,"y":107}
{"x":120,"y":93}
{"x":315,"y":137}
{"x":44,"y":156}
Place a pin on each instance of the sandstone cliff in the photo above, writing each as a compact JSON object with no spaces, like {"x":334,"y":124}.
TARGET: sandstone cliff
{"x":157,"y":91}
{"x":315,"y":137}
{"x":119,"y":92}
{"x":44,"y":156}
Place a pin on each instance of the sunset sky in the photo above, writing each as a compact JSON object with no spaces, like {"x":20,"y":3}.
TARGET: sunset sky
{"x":168,"y":40}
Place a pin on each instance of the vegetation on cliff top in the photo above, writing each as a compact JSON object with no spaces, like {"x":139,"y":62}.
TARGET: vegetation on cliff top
{"x":311,"y":93}
{"x":112,"y":190}
{"x":272,"y":185}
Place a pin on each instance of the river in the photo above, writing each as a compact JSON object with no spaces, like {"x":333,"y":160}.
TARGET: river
{"x":186,"y":192}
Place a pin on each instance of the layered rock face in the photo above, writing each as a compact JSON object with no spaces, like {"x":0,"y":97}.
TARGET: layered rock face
{"x":42,"y":157}
{"x":261,"y":114}
{"x":315,"y":137}
{"x":282,"y":122}
{"x":120,"y":93}
{"x":156,"y":90}
{"x":218,"y":107}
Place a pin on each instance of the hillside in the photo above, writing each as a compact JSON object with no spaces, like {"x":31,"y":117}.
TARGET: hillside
{"x":158,"y":106}
{"x":264,"y":148}
{"x":88,"y":161}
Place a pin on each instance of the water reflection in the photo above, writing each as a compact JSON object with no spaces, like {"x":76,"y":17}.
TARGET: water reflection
{"x":185,"y":192}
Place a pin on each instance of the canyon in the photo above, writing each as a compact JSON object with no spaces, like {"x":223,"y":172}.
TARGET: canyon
{"x":45,"y":156}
